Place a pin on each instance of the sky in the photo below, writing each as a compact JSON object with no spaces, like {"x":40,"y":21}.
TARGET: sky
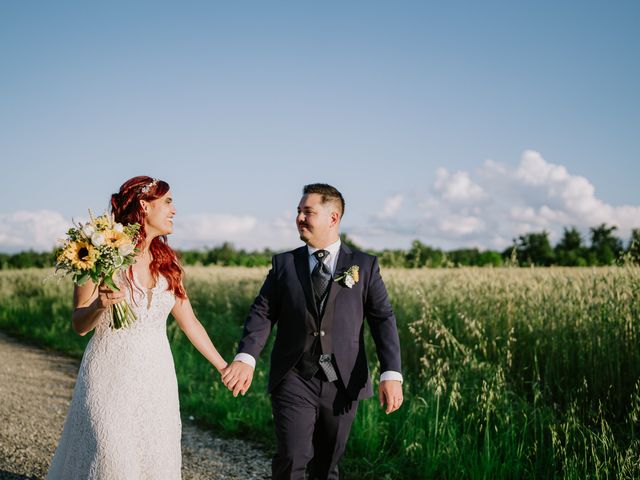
{"x":461,"y":124}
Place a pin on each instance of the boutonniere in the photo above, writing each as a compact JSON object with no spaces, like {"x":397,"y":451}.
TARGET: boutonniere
{"x":350,"y":277}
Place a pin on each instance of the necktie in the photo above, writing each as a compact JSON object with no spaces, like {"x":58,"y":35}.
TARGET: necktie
{"x":320,"y":278}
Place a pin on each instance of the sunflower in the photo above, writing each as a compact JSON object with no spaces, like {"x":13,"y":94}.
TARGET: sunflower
{"x":81,"y":254}
{"x":115,"y":239}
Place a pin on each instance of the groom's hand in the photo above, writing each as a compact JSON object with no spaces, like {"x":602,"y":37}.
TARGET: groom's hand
{"x":390,"y":393}
{"x":237,"y":377}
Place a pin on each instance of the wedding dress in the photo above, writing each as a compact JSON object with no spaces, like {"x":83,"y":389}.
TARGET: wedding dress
{"x":124,"y":418}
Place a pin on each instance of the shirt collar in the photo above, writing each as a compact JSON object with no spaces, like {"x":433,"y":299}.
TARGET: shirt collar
{"x":333,"y":249}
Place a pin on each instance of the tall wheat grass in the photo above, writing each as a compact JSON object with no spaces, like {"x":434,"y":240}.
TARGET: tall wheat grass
{"x":509,"y":373}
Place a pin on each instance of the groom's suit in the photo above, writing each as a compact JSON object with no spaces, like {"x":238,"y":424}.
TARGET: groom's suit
{"x":300,"y":404}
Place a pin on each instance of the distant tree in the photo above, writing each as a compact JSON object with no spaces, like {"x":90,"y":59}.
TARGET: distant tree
{"x":534,"y":249}
{"x":605,"y":246}
{"x":31,"y":259}
{"x":464,"y":257}
{"x":226,"y":255}
{"x":490,"y":257}
{"x":569,"y":251}
{"x":414,"y":255}
{"x":191,"y":257}
{"x":421,"y":255}
{"x":4,"y":261}
{"x":510,"y":255}
{"x":474,"y":258}
{"x":392,"y":258}
{"x":634,"y":246}
{"x":222,"y":255}
{"x":528,"y":249}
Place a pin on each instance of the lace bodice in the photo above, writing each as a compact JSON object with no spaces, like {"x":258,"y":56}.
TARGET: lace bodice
{"x":151,"y":307}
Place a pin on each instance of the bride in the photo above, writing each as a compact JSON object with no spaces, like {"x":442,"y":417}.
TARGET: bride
{"x":124,"y":418}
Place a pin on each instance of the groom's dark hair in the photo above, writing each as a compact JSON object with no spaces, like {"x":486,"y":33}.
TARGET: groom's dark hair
{"x":329,"y":194}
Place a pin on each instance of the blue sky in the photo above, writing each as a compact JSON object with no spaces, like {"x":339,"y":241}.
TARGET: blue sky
{"x":463,"y":124}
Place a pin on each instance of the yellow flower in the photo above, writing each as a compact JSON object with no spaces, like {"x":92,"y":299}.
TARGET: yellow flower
{"x":355,"y":273}
{"x":81,"y":254}
{"x":103,"y":222}
{"x":115,"y":239}
{"x":350,"y":277}
{"x":61,"y":256}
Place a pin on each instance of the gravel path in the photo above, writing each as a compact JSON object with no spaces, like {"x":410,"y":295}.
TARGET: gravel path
{"x":35,"y":390}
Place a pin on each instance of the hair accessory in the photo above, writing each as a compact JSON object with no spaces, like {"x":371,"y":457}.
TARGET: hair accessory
{"x":149,"y":186}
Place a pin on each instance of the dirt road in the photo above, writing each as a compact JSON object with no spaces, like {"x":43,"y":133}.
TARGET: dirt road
{"x":35,"y":391}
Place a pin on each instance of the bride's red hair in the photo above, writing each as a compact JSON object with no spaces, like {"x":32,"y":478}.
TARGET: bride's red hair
{"x":126,"y":208}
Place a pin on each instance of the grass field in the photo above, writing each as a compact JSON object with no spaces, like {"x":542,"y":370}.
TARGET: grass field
{"x":509,"y":373}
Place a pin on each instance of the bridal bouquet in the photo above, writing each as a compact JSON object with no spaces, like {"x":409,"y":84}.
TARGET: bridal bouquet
{"x":97,"y":250}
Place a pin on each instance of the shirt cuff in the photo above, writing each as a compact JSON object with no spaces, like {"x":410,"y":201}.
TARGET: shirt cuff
{"x":245,"y":358}
{"x":391,"y":375}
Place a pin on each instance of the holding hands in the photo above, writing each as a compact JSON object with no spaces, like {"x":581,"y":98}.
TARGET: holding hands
{"x":237,"y":377}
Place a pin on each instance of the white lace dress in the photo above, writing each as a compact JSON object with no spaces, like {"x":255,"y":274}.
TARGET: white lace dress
{"x":124,"y":418}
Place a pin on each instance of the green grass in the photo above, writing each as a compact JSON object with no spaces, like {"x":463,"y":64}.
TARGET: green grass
{"x":509,"y":373}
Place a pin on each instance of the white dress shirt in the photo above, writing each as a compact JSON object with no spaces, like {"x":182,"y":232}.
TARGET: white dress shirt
{"x":330,"y":261}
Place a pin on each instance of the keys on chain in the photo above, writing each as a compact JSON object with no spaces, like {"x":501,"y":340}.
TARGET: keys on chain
{"x":327,"y":367}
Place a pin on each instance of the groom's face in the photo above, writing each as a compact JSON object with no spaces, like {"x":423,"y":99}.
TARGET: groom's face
{"x":317,"y":222}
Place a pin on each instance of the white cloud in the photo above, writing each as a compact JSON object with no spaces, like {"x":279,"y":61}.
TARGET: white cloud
{"x":457,"y":187}
{"x":243,"y":231}
{"x":391,"y":206}
{"x":38,"y":230}
{"x":491,"y":167}
{"x":460,"y":225}
{"x":491,"y":206}
{"x":485,"y":208}
{"x":534,"y":170}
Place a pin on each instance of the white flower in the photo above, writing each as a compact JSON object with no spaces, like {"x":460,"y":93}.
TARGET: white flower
{"x":97,"y":239}
{"x":88,"y":230}
{"x":126,"y":249}
{"x":350,"y":277}
{"x":118,"y":227}
{"x":117,"y":261}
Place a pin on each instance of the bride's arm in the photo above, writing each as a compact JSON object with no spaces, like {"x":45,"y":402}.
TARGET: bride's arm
{"x":89,"y":302}
{"x":195,"y":332}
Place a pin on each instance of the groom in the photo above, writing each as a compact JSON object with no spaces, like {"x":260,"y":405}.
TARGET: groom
{"x":318,"y":296}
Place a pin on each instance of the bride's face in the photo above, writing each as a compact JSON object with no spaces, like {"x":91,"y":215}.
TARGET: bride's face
{"x":159,"y":216}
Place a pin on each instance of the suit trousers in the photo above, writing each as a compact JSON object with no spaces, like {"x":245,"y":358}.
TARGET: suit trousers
{"x":312,"y":421}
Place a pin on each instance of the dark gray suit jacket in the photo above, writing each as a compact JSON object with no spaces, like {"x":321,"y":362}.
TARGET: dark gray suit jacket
{"x":286,"y":301}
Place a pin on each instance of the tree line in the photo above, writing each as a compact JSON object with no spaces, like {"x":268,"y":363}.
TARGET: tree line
{"x":531,"y":249}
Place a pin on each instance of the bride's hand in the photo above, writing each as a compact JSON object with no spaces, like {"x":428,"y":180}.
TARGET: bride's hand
{"x":237,"y":377}
{"x":222,"y":368}
{"x":108,"y":297}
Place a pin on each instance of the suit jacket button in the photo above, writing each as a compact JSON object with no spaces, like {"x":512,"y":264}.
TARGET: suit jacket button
{"x":315,"y":334}
{"x":322,"y":333}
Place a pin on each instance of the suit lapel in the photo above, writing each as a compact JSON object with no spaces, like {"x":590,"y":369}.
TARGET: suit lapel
{"x":344,"y":259}
{"x":301,"y":260}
